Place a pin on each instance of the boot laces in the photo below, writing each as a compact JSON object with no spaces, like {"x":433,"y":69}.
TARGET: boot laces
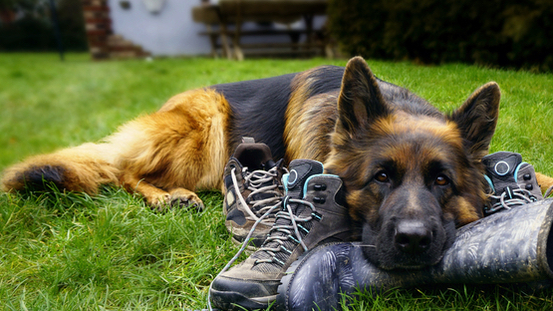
{"x":511,"y":198}
{"x":289,"y":229}
{"x":270,"y":210}
{"x":257,"y":182}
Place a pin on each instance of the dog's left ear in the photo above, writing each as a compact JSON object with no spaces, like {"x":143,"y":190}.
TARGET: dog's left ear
{"x":477,"y":118}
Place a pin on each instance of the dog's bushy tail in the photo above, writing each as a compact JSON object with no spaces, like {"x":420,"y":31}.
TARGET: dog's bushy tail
{"x":82,"y":168}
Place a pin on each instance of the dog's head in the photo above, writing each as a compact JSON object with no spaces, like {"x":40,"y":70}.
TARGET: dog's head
{"x":412,"y":174}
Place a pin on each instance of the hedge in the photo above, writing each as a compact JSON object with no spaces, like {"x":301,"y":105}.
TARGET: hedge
{"x":34,"y":31}
{"x":500,"y":33}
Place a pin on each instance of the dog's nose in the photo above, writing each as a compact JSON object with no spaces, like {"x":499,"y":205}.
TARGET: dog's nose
{"x":412,"y":237}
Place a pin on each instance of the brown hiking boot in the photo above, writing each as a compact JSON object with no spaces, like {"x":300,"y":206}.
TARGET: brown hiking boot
{"x":252,"y":184}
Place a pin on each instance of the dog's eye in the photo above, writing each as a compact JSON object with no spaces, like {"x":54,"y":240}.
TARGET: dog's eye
{"x":442,"y":180}
{"x":382,"y":176}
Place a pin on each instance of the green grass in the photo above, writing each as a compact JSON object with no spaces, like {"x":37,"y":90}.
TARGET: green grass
{"x":65,"y":251}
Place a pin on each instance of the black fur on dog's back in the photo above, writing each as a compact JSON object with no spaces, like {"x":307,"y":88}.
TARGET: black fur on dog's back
{"x":259,"y":106}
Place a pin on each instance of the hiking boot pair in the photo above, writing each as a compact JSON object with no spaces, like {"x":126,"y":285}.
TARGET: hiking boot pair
{"x":312,"y":211}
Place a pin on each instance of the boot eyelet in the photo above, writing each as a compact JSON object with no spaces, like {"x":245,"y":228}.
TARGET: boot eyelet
{"x":317,"y":215}
{"x":319,"y":200}
{"x":319,"y":187}
{"x":527,"y":177}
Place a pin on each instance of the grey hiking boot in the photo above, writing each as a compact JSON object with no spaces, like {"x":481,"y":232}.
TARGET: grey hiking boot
{"x":312,"y":211}
{"x":512,"y":181}
{"x":252,"y":184}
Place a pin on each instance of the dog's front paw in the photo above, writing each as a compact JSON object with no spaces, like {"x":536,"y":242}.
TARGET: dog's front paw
{"x":160,"y":202}
{"x":181,"y":197}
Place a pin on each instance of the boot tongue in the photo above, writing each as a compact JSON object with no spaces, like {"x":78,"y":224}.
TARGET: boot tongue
{"x":500,"y":167}
{"x":294,"y":181}
{"x":502,"y":164}
{"x":299,"y":172}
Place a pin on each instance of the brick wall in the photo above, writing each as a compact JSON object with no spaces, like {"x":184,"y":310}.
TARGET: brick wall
{"x":102,"y":42}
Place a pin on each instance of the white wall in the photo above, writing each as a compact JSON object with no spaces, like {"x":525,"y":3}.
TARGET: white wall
{"x":171,"y":31}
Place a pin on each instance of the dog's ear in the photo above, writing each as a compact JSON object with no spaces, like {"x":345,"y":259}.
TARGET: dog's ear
{"x":360,"y":99}
{"x":477,"y":118}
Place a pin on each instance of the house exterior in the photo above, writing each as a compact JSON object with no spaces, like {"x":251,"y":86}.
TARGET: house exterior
{"x":136,"y":28}
{"x":164,"y":27}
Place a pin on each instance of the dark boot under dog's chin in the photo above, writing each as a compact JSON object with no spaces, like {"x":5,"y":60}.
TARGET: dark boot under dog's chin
{"x":513,"y":245}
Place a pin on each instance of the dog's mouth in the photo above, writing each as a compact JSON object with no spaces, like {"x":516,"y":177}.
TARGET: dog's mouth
{"x":406,"y":263}
{"x":411,"y":264}
{"x":415,"y":264}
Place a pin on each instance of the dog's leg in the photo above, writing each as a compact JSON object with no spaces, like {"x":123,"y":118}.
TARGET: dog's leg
{"x":158,"y":198}
{"x":154,"y":196}
{"x":168,"y":155}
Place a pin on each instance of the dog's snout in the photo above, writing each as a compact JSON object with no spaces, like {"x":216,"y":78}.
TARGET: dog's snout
{"x":412,"y":237}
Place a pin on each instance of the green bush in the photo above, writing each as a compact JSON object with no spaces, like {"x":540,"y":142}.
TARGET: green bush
{"x":34,"y":30}
{"x":509,"y":33}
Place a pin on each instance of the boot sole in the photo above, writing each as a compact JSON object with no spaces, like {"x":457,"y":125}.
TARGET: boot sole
{"x":221,"y":299}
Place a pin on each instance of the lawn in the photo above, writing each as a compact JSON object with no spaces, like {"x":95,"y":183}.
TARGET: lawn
{"x":67,"y":251}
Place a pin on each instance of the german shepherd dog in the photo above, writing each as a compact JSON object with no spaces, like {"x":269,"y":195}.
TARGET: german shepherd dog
{"x":412,"y":174}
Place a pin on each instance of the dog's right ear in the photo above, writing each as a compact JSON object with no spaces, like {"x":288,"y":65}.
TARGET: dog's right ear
{"x":477,"y":118}
{"x":360,"y":99}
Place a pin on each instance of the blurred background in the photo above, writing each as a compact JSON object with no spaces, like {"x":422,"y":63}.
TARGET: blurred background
{"x":512,"y":33}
